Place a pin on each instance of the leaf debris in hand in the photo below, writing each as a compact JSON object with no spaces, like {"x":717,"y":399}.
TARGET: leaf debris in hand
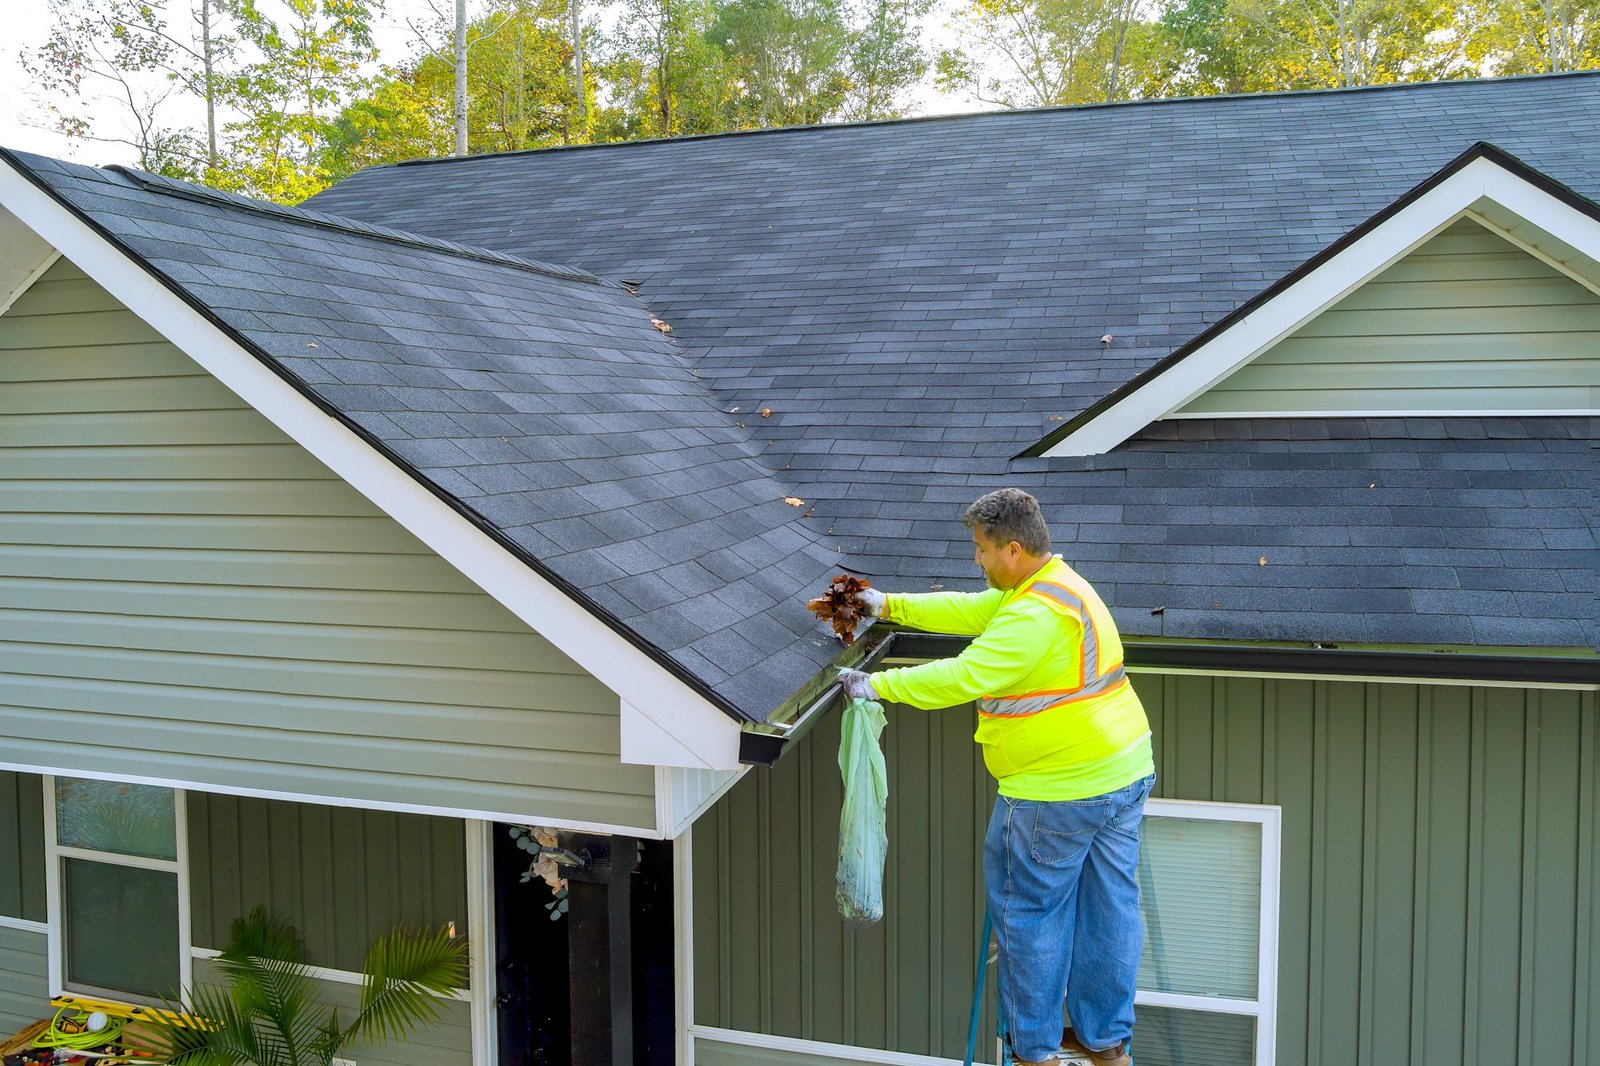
{"x":841,"y":605}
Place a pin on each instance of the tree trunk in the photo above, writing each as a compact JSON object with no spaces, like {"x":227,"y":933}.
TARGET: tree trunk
{"x":576,"y":13}
{"x":461,"y":77}
{"x":211,"y":85}
{"x":663,"y":71}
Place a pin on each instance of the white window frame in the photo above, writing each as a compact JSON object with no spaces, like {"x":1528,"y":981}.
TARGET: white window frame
{"x":1264,"y":1007}
{"x":55,"y":852}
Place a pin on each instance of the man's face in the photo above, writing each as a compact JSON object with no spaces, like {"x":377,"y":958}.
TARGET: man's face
{"x":997,"y":561}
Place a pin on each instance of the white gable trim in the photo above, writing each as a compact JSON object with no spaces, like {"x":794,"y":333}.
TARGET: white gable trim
{"x":1479,"y":183}
{"x":650,"y":689}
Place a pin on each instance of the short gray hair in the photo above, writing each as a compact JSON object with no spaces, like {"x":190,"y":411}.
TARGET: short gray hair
{"x":1007,"y":515}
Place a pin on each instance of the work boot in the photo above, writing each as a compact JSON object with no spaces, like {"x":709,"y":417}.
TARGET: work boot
{"x":1111,"y":1056}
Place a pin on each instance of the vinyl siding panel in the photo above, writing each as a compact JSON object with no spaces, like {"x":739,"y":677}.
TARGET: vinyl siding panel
{"x":343,"y":877}
{"x":24,"y":979}
{"x":1438,"y":871}
{"x":446,"y":1043}
{"x":21,"y":846}
{"x":1467,"y":322}
{"x":187,"y":594}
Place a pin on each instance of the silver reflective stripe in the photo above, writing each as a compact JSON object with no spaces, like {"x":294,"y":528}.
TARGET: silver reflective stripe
{"x":1091,"y":639}
{"x":1020,"y":706}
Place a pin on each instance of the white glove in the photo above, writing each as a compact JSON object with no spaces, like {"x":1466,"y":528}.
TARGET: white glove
{"x":871,"y":602}
{"x":857,"y":685}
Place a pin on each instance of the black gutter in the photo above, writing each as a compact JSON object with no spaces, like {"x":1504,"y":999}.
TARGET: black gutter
{"x":1480,"y":150}
{"x":489,"y":529}
{"x":759,"y":749}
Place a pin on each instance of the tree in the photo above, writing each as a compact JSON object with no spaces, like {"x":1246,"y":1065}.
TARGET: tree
{"x":267,"y":1014}
{"x":1340,"y":43}
{"x":788,"y":60}
{"x":1532,"y":36}
{"x":664,"y":75}
{"x":1037,"y":53}
{"x":306,"y":66}
{"x":886,"y":58}
{"x":126,"y":52}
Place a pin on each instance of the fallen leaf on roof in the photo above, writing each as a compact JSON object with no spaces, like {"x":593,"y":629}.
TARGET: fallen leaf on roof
{"x":733,"y":410}
{"x":1054,"y":418}
{"x":765,"y":412}
{"x":1261,"y":561}
{"x":312,"y":344}
{"x":841,"y":605}
{"x":794,"y":501}
{"x":1158,"y":610}
{"x":658,"y":324}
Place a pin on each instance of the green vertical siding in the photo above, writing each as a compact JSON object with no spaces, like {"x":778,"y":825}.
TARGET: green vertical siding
{"x":1438,"y":869}
{"x":1466,"y":322}
{"x":21,"y":846}
{"x":342,"y":876}
{"x":771,"y":954}
{"x":24,"y":979}
{"x":186,"y":593}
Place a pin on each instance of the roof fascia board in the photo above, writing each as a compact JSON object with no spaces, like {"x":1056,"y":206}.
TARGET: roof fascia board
{"x":1419,"y":412}
{"x":616,"y":662}
{"x":515,"y":817}
{"x":1482,"y":177}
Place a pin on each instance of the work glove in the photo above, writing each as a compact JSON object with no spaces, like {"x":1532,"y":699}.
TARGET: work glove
{"x":871,"y":601}
{"x":857,"y":684}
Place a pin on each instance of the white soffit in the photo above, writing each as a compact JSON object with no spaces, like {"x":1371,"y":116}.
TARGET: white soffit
{"x":660,"y":702}
{"x":1482,"y":189}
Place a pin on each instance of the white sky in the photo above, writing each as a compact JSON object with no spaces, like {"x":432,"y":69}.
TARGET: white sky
{"x":25,"y":25}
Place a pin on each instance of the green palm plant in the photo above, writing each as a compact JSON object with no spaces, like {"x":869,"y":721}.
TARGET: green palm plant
{"x":268,"y":1013}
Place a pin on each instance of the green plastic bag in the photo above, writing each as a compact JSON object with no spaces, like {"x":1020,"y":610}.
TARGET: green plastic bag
{"x":863,"y":836}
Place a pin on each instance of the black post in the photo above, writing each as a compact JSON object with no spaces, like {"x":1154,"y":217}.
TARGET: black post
{"x":600,"y":949}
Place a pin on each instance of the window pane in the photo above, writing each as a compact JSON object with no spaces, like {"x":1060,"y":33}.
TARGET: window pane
{"x":116,"y":817}
{"x":1201,"y":885}
{"x":121,"y":927}
{"x":1166,"y":1037}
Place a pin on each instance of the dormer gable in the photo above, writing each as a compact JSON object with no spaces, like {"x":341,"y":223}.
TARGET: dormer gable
{"x":1510,"y":202}
{"x":1468,"y":323}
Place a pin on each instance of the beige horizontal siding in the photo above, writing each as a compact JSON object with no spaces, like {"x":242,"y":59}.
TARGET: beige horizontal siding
{"x":186,"y":593}
{"x":1467,"y":322}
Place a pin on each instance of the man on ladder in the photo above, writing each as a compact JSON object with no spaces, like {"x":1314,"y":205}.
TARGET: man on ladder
{"x":1066,"y":737}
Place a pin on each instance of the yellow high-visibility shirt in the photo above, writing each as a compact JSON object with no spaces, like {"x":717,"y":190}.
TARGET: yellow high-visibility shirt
{"x":1058,"y":719}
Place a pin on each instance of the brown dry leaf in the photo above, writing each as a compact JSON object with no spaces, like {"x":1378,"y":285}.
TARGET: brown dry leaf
{"x":841,"y":605}
{"x":765,"y":412}
{"x":1261,"y":561}
{"x":658,"y":324}
{"x":794,"y":501}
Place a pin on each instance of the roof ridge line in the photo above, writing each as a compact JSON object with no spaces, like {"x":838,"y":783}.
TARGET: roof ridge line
{"x":973,"y":115}
{"x":165,"y":186}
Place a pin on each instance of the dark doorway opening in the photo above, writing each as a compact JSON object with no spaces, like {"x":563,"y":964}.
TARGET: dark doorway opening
{"x":543,"y":1014}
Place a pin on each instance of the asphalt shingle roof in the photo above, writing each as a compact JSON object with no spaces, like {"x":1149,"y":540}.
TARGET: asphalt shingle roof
{"x":916,"y":303}
{"x":541,"y":399}
{"x":920,"y":301}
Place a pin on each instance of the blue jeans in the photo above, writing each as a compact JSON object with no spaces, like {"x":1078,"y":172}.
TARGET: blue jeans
{"x":1063,"y":887}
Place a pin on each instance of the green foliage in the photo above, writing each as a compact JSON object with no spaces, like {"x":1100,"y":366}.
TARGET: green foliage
{"x":307,"y":61}
{"x":268,"y":1014}
{"x":296,"y":99}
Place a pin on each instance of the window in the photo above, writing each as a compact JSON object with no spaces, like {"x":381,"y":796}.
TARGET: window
{"x":118,"y":889}
{"x":1208,"y":875}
